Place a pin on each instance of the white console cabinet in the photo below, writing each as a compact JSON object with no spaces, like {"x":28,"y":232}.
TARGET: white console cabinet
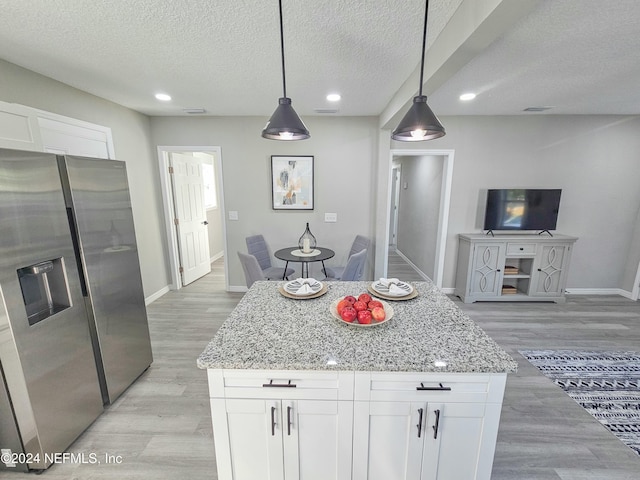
{"x":513,"y":267}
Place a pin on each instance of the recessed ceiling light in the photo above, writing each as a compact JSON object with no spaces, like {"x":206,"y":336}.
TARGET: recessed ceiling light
{"x":163,"y":97}
{"x":334,"y":97}
{"x":467,"y":96}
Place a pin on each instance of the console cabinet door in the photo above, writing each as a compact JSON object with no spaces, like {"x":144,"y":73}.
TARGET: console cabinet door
{"x":550,"y":271}
{"x":486,"y":269}
{"x":317,"y":439}
{"x":255,"y":439}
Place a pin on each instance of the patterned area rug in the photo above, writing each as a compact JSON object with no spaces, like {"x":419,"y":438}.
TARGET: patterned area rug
{"x":606,"y":384}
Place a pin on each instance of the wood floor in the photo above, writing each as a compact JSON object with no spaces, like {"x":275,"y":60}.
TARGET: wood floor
{"x":161,"y":425}
{"x":397,"y":267}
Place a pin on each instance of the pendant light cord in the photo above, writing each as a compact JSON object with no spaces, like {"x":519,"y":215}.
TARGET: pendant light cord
{"x":284,"y":82}
{"x":424,"y":43}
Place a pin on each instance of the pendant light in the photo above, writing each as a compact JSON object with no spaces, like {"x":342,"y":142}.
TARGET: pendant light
{"x":419,"y":123}
{"x":284,"y":124}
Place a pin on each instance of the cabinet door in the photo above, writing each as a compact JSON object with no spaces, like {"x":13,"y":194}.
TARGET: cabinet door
{"x":255,"y":439}
{"x":550,"y":271}
{"x":388,"y":439}
{"x":453,"y":442}
{"x":317,"y":438}
{"x":486,"y":269}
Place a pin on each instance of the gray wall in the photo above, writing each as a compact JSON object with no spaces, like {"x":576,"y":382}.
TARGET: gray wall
{"x":345,"y":164}
{"x":594,"y":159}
{"x":131,"y":142}
{"x":419,"y":209}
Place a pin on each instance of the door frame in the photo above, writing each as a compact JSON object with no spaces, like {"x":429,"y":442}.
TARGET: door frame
{"x":169,"y":211}
{"x":445,"y":202}
{"x":395,"y":200}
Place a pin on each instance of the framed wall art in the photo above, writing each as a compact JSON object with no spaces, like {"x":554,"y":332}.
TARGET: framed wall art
{"x":292,"y":182}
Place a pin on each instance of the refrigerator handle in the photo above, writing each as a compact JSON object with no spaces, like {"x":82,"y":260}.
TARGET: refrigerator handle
{"x":76,"y":248}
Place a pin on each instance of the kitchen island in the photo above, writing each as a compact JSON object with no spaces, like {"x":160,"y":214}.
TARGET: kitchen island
{"x":298,"y":394}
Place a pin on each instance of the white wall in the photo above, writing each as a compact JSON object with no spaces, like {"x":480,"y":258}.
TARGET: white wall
{"x":345,"y":165}
{"x":594,"y":159}
{"x":419,"y":210}
{"x":131,"y":141}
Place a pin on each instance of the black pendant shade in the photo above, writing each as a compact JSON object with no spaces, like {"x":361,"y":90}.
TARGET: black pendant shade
{"x":284,"y":124}
{"x":419,"y":123}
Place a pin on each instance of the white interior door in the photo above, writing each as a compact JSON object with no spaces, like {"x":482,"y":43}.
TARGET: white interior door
{"x":191,"y":217}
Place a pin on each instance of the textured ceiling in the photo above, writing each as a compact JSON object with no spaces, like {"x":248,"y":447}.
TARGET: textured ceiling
{"x":580,"y":56}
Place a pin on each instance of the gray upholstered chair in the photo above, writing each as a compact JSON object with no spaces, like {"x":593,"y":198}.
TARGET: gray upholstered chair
{"x":353,"y":269}
{"x":257,"y":246}
{"x":359,"y":243}
{"x":251,"y":267}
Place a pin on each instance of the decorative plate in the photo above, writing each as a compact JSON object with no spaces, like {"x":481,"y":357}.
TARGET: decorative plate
{"x":388,"y":310}
{"x":294,"y":287}
{"x":413,"y":294}
{"x":300,"y":253}
{"x":395,"y":290}
{"x":284,"y":293}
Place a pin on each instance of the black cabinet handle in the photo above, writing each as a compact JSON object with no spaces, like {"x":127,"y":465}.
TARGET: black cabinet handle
{"x":279,"y":385}
{"x":420,"y":411}
{"x":440,"y":388}
{"x":521,"y":248}
{"x":288,"y":420}
{"x":437,"y":425}
{"x":273,"y":421}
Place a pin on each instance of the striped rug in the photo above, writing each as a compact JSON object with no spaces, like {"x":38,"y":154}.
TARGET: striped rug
{"x":606,"y":384}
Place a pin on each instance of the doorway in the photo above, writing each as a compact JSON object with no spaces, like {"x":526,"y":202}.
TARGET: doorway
{"x":210,"y":160}
{"x":423,"y":189}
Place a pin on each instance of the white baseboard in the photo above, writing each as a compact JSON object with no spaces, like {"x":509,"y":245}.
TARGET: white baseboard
{"x":448,"y":291}
{"x":418,"y":271}
{"x":598,"y":291}
{"x":217,"y":256}
{"x":153,"y":297}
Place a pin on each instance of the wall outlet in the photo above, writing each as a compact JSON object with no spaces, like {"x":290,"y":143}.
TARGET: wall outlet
{"x":233,"y":215}
{"x":331,"y":217}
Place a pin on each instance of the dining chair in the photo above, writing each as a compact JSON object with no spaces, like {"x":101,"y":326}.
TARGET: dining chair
{"x":251,"y":267}
{"x":359,"y":243}
{"x":354,"y":268}
{"x":257,"y":246}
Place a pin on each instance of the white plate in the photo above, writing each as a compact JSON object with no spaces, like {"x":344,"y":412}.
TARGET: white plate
{"x":388,"y":310}
{"x":384,"y":290}
{"x":294,"y":285}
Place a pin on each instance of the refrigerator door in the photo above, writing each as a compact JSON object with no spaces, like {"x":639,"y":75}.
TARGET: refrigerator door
{"x":45,"y":346}
{"x":98,"y":192}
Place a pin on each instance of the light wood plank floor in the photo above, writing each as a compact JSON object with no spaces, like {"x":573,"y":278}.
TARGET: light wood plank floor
{"x":162,"y":429}
{"x":397,"y":267}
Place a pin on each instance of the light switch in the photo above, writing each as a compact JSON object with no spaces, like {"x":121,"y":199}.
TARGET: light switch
{"x":331,"y":217}
{"x":233,"y":215}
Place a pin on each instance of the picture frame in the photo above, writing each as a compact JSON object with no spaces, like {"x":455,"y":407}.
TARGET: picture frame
{"x":292,"y":186}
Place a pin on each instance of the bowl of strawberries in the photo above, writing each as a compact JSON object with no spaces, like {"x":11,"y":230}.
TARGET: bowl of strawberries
{"x":361,"y":311}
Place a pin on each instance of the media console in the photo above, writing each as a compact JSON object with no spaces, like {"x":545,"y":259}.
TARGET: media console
{"x":512,"y":267}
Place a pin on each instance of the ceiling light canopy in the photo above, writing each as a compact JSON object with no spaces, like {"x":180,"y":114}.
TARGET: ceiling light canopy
{"x":334,"y":97}
{"x":284,"y":124}
{"x":419,"y":123}
{"x":465,"y":97}
{"x":163,"y":97}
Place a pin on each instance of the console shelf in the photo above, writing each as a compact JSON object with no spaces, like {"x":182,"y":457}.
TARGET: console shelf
{"x":515,"y":267}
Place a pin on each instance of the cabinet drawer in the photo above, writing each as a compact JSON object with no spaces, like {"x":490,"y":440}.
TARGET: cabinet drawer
{"x":430,"y":387}
{"x":521,"y":249}
{"x":281,"y":384}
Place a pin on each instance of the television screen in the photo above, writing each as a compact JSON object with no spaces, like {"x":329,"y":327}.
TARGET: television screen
{"x":522,"y":209}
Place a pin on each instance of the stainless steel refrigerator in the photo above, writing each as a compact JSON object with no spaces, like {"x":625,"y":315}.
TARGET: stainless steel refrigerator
{"x":73,"y":324}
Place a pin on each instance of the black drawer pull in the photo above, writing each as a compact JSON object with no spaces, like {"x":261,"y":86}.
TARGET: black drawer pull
{"x":439,"y":389}
{"x":279,"y":385}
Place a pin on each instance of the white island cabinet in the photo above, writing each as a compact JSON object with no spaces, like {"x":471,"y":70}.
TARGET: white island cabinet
{"x":296,"y":394}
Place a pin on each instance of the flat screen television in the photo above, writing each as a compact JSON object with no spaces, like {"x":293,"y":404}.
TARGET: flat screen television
{"x":522,"y":209}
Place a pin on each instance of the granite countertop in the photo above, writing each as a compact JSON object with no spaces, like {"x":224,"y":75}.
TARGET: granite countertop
{"x":269,"y":331}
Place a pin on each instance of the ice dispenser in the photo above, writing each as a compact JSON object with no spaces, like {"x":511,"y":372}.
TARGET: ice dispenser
{"x":44,"y":289}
